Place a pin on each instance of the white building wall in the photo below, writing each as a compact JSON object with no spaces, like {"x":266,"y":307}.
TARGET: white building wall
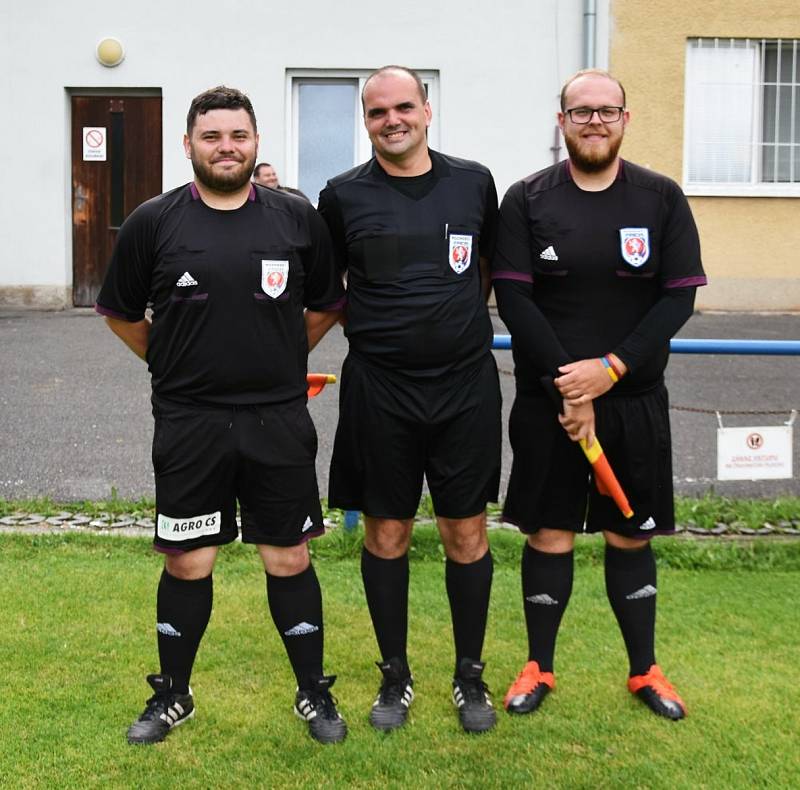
{"x":501,"y":66}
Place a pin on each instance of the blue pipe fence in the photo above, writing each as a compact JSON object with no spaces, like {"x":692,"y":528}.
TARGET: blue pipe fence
{"x":678,"y":345}
{"x":708,"y":346}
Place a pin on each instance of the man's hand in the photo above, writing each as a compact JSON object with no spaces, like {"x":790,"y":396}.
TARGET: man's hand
{"x":134,"y":334}
{"x":587,"y":379}
{"x":578,"y":421}
{"x":318,"y":323}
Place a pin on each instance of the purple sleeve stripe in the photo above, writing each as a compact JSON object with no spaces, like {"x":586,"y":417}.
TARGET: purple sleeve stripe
{"x":331,"y":308}
{"x":686,"y":282}
{"x":98,"y":308}
{"x":523,"y":278}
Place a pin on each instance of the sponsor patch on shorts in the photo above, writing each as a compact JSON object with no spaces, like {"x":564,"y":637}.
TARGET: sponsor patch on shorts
{"x":188,"y":528}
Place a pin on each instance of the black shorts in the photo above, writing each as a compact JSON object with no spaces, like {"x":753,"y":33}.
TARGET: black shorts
{"x":551,"y":485}
{"x":393,"y":429}
{"x":207,"y":458}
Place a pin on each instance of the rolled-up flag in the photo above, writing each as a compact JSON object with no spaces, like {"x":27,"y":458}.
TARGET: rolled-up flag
{"x":317,"y":382}
{"x":604,"y":477}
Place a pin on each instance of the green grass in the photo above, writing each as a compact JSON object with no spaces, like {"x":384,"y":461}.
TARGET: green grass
{"x":77,"y":638}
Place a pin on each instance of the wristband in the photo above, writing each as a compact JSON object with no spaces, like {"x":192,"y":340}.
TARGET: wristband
{"x":609,"y":369}
{"x":614,"y":366}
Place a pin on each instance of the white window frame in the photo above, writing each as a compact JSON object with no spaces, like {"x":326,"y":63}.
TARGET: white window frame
{"x":755,"y":187}
{"x":361,"y":143}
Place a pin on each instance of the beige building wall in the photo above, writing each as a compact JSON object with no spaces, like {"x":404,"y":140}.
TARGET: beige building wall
{"x":751,"y":246}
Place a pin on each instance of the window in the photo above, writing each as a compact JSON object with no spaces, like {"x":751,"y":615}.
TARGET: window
{"x":742,"y":133}
{"x":325,"y":133}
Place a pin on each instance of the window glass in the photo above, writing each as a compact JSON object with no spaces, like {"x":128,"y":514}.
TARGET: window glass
{"x":326,"y":133}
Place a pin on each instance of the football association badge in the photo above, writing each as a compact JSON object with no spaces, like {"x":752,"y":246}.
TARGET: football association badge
{"x":635,"y":245}
{"x":460,"y":252}
{"x":274,"y":276}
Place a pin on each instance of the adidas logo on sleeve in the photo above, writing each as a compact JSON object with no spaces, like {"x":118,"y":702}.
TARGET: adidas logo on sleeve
{"x":185,"y":280}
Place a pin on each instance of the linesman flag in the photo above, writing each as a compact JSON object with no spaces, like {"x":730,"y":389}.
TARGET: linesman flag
{"x":604,"y":477}
{"x":317,"y":382}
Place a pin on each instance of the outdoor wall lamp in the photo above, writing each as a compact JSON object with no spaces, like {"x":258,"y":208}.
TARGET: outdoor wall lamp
{"x":110,"y":52}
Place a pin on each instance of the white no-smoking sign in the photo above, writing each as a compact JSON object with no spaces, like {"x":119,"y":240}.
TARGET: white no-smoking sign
{"x":94,"y":143}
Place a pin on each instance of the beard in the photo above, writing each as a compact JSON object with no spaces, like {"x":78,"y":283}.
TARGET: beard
{"x":589,"y":159}
{"x":231,"y":181}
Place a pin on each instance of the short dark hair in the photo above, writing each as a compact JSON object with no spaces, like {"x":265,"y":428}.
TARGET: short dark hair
{"x":219,"y":98}
{"x":585,"y":73}
{"x":423,"y":94}
{"x":258,"y":168}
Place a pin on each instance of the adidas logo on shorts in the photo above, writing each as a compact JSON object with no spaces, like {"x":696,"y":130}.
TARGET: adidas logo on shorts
{"x":549,"y":254}
{"x":301,"y":629}
{"x":167,"y":629}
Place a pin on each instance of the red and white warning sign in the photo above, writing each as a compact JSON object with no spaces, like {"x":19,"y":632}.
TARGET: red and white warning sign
{"x":94,"y":143}
{"x":760,"y":453}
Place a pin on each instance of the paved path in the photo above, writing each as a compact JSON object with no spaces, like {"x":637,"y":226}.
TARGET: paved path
{"x":75,"y":415}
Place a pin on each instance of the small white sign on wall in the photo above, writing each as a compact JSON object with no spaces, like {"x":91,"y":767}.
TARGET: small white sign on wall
{"x":760,"y":453}
{"x":94,"y":144}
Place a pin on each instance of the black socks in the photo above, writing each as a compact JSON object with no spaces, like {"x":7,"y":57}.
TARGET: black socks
{"x":631,"y":588}
{"x":183,"y":609}
{"x":295,"y":603}
{"x":386,"y":589}
{"x":546,"y":588}
{"x":468,"y":588}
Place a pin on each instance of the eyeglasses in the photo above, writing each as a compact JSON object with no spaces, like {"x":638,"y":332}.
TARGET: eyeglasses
{"x":585,"y":114}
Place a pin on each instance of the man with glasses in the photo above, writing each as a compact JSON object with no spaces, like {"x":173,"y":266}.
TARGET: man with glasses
{"x":595,"y":269}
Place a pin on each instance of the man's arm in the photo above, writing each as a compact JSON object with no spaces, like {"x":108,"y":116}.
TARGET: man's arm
{"x":318,"y":324}
{"x":134,"y":334}
{"x":587,"y":379}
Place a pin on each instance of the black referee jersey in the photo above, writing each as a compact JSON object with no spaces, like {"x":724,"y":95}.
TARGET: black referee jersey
{"x":594,"y":265}
{"x":411,"y":248}
{"x":227,"y":290}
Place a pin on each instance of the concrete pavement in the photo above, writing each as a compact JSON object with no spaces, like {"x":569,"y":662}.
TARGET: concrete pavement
{"x":75,"y":414}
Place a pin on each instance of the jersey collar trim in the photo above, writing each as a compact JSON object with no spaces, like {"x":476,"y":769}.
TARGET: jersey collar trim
{"x":251,"y":196}
{"x":620,"y":175}
{"x":439,"y":166}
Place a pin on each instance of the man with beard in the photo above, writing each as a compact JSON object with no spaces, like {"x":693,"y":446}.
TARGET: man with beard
{"x":228,"y":268}
{"x":596,"y":266}
{"x":414,"y":229}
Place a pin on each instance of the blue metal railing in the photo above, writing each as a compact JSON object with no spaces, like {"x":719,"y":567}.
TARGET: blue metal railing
{"x":708,"y":346}
{"x":676,"y":346}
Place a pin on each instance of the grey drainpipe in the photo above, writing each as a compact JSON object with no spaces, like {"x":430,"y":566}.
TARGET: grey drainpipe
{"x":589,"y":28}
{"x":589,"y":35}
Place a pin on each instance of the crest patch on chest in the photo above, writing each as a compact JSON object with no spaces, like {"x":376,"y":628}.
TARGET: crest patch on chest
{"x":635,"y":245}
{"x":460,"y":253}
{"x":274,"y":277}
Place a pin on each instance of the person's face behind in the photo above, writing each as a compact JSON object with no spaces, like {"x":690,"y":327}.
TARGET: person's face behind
{"x":593,"y":146}
{"x":223,"y":147}
{"x":267,"y":177}
{"x":396,"y":116}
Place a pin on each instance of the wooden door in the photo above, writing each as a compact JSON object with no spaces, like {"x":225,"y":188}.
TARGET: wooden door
{"x":116,"y":165}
